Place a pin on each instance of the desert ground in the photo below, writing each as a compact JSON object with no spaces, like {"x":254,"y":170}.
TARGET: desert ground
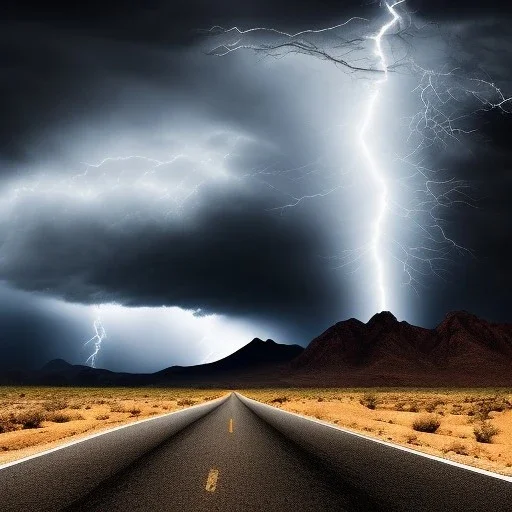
{"x":33,"y":419}
{"x":470,"y":426}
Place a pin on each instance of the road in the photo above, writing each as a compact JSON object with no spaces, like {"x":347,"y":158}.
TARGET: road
{"x":245,"y":456}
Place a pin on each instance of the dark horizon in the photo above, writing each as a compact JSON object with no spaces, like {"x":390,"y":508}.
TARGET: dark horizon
{"x":461,"y":352}
{"x":380,"y":316}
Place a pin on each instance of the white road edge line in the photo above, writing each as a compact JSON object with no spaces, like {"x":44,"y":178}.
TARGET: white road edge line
{"x":391,"y":445}
{"x":98,"y":434}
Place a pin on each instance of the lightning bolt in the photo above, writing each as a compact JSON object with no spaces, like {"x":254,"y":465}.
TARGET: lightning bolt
{"x":446,"y":107}
{"x":441,"y":118}
{"x":100,"y":335}
{"x":375,"y":169}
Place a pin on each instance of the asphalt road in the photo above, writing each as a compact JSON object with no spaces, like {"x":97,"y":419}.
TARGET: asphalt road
{"x":245,"y":456}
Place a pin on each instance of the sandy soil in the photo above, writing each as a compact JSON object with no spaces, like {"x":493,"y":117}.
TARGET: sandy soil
{"x":35,"y":419}
{"x":389,"y":415}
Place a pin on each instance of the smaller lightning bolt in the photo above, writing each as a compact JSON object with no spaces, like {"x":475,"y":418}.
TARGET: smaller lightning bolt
{"x":97,"y":339}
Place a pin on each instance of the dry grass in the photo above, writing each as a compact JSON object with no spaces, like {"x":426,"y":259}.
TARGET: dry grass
{"x":369,"y":400}
{"x":485,"y":432}
{"x":427,"y":423}
{"x":33,"y":419}
{"x":186,"y":402}
{"x":472,"y":426}
{"x":456,"y":447}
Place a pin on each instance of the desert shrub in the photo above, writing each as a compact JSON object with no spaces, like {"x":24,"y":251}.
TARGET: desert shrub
{"x":485,"y":432}
{"x":184,"y":402}
{"x":430,"y":407}
{"x":31,"y":419}
{"x":498,"y":404}
{"x":412,"y":439}
{"x":481,"y":411}
{"x":414,"y":407}
{"x":279,"y":400}
{"x":102,"y":417}
{"x":369,"y":400}
{"x":58,"y":417}
{"x":433,"y":404}
{"x":427,"y":423}
{"x":483,"y":408}
{"x":116,"y":407}
{"x":7,"y":424}
{"x":55,"y":405}
{"x":399,"y":406}
{"x":456,"y":447}
{"x":135,"y":411}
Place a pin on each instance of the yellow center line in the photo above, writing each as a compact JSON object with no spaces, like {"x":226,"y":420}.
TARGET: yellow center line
{"x":211,"y":481}
{"x":230,"y":426}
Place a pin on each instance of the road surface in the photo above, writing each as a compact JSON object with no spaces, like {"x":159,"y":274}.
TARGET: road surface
{"x":245,"y":456}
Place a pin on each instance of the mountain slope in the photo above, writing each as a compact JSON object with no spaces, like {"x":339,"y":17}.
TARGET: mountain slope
{"x":257,"y":362}
{"x":462,"y":350}
{"x":258,"y":359}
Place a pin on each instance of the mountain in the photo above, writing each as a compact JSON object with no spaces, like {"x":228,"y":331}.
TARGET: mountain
{"x":257,"y":362}
{"x":60,"y":373}
{"x":56,"y":365}
{"x":462,"y":350}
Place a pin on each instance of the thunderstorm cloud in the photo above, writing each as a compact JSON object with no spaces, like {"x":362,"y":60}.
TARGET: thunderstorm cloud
{"x":138,"y":170}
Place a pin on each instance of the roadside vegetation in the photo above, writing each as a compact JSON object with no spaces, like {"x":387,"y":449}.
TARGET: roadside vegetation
{"x":33,"y":419}
{"x":472,"y":426}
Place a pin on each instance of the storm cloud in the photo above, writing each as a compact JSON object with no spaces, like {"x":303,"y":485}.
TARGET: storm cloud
{"x":136,"y":169}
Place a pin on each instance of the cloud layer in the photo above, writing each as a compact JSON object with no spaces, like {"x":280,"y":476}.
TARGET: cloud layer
{"x":138,"y":170}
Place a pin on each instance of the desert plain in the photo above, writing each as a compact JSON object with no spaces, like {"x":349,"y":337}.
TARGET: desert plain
{"x":470,"y":426}
{"x":34,"y":419}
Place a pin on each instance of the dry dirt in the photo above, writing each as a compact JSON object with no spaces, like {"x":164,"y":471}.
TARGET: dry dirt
{"x":33,"y":419}
{"x":458,"y":412}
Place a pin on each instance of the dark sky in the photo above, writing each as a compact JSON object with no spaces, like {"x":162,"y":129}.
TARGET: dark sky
{"x":181,"y":230}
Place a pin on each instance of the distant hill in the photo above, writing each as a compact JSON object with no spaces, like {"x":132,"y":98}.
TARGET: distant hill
{"x":462,"y":350}
{"x":258,"y":358}
{"x":258,"y":361}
